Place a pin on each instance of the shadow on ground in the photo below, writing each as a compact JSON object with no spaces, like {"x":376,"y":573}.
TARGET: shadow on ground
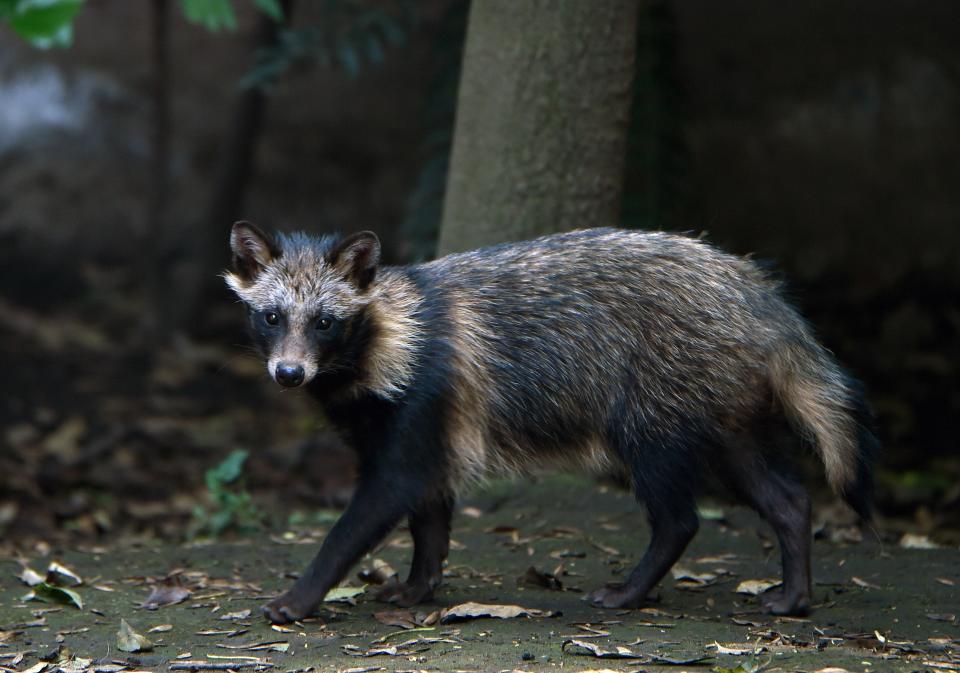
{"x":876,"y":608}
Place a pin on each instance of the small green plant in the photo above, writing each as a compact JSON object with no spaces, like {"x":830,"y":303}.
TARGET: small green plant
{"x":232,"y":508}
{"x":43,"y":23}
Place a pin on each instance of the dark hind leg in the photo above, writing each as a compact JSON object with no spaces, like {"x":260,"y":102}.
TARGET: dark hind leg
{"x":671,"y":531}
{"x":664,"y":478}
{"x":430,"y":528}
{"x":784,"y":503}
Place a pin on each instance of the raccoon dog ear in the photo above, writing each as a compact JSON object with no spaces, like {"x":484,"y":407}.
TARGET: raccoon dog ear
{"x":357,"y":257}
{"x":252,"y":249}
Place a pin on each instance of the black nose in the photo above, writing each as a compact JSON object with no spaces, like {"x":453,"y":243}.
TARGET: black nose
{"x":290,"y":376}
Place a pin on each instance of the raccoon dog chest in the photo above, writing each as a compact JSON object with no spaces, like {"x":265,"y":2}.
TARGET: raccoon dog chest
{"x":648,"y":355}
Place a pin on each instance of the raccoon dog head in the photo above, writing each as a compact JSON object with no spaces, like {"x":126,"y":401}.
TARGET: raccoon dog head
{"x":306,"y":296}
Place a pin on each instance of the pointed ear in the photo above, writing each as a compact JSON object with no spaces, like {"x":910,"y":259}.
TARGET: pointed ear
{"x":252,"y":250}
{"x":357,"y":257}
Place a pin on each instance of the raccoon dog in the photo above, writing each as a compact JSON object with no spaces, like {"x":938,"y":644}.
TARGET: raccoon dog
{"x":650,"y":356}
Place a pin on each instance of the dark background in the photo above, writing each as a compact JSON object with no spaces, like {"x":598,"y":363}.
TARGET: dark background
{"x":823,"y":136}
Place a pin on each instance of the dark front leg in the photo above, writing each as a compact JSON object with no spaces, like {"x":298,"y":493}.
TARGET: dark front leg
{"x":375,"y":509}
{"x":430,"y":528}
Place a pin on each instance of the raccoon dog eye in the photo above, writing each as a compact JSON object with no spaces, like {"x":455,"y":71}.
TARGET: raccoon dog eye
{"x":271,"y":318}
{"x":324,"y":323}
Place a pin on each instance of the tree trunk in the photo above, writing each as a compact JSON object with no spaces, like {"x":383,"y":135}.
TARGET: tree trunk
{"x":542,"y":120}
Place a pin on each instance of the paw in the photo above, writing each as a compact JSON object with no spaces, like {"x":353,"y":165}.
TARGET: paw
{"x":405,"y":594}
{"x":616,"y":596}
{"x":779,"y":603}
{"x":287,"y":608}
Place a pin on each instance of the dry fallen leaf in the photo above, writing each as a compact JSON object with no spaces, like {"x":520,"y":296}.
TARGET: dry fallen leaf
{"x":403,"y":619}
{"x":240,"y":614}
{"x":344,"y":595}
{"x":471,"y":610}
{"x":729,"y":557}
{"x":276,"y":646}
{"x":863,"y":583}
{"x":756,"y":587}
{"x":161,"y":628}
{"x":169,"y":592}
{"x":567,"y":553}
{"x":62,"y":576}
{"x":380,"y":573}
{"x":687,"y":579}
{"x":942,"y":617}
{"x":30,"y":577}
{"x":388,"y":650}
{"x":229,"y":633}
{"x":129,"y":640}
{"x":585,"y":648}
{"x":732,"y":651}
{"x":272,"y":646}
{"x":537,"y":578}
{"x":916,"y":541}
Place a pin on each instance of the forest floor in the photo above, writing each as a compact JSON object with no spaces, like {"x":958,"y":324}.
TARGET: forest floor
{"x":541,"y":547}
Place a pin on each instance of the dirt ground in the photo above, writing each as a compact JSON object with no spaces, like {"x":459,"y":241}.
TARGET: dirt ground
{"x":878,"y":607}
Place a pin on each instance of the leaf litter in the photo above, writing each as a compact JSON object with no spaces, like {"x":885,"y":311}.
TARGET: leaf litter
{"x":578,"y":647}
{"x":57,"y":586}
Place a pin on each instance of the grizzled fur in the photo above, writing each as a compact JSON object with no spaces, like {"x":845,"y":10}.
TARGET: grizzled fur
{"x":648,"y":356}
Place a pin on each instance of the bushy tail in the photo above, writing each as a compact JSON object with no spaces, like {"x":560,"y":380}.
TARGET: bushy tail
{"x":828,"y":408}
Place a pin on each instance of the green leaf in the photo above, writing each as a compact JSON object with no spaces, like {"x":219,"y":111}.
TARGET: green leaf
{"x":271,"y":8}
{"x":50,"y":594}
{"x":228,"y":471}
{"x":7,"y":7}
{"x":43,"y":23}
{"x":214,"y":15}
